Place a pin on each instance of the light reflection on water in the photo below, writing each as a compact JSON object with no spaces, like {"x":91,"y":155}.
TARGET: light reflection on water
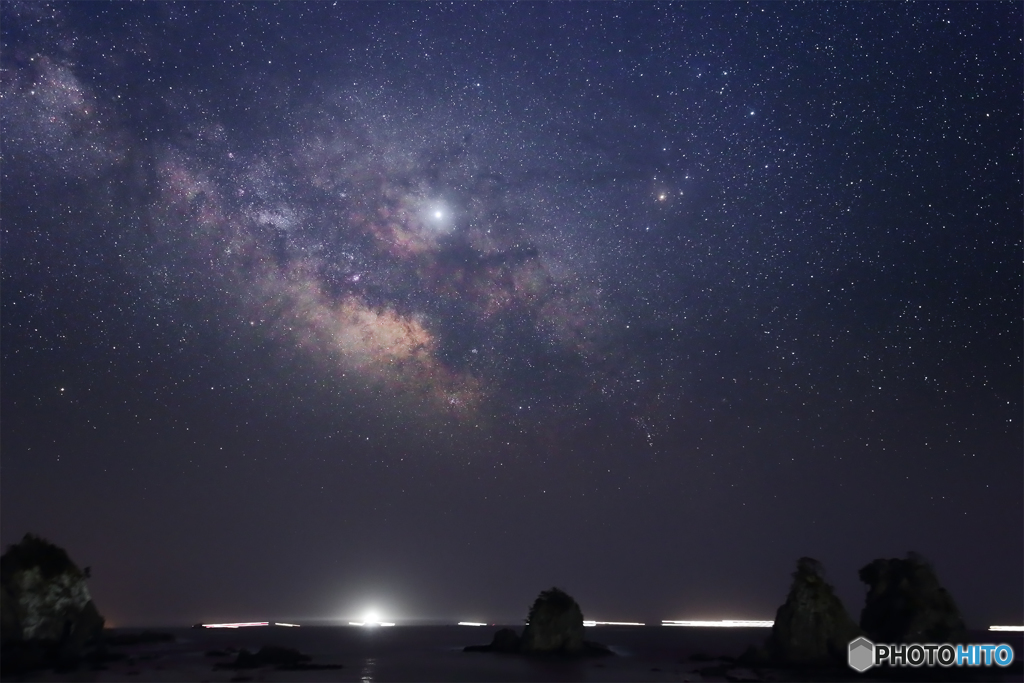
{"x":369,"y":666}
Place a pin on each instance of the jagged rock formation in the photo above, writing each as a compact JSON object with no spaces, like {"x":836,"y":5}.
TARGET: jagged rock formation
{"x":555,"y":624}
{"x":812,"y":626}
{"x":906,"y":603}
{"x":47,"y":612}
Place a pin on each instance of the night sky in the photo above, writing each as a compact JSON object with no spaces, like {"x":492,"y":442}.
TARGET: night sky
{"x":309,"y":308}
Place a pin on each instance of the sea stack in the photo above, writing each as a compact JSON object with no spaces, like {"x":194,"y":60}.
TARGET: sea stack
{"x":555,"y":624}
{"x":906,"y":603}
{"x":46,"y":612}
{"x":555,"y":627}
{"x":813,"y":626}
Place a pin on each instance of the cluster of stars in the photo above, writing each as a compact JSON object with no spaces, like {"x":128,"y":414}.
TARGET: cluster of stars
{"x":678,"y":252}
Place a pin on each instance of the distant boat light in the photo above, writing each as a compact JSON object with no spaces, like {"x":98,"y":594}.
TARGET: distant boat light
{"x":724,"y":623}
{"x":612,"y":623}
{"x":278,"y":623}
{"x":240,"y":624}
{"x":1006,"y":628}
{"x":475,"y":623}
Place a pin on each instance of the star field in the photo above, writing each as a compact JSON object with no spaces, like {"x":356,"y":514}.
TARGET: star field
{"x":444,"y":303}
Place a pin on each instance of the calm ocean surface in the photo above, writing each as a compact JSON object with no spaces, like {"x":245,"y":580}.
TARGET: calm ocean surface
{"x":434,"y":653}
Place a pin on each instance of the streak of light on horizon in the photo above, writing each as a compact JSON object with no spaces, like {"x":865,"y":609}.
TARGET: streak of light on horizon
{"x":724,"y":623}
{"x":1006,"y":628}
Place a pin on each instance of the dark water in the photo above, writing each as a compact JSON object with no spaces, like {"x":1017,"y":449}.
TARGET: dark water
{"x":434,"y":653}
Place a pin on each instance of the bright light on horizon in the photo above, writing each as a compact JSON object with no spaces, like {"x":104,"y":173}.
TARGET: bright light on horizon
{"x":724,"y":623}
{"x":371,"y":620}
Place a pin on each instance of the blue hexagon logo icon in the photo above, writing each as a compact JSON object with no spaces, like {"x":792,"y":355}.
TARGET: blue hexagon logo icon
{"x":861,"y":654}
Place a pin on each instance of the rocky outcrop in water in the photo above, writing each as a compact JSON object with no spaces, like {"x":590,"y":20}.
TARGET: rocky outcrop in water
{"x":47,"y":615}
{"x":813,"y":625}
{"x":505,"y":640}
{"x":906,"y":603}
{"x":555,"y":624}
{"x":555,"y":627}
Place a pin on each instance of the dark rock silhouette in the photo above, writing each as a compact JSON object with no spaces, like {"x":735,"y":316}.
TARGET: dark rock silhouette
{"x":505,"y":640}
{"x":555,"y":627}
{"x":906,"y":603}
{"x":812,"y":626}
{"x":555,"y":624}
{"x":48,"y":616}
{"x":268,"y":655}
{"x":283,"y":658}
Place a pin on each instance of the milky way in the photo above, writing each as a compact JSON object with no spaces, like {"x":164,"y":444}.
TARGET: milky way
{"x":401,"y":259}
{"x":617,"y":264}
{"x":424,"y":250}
